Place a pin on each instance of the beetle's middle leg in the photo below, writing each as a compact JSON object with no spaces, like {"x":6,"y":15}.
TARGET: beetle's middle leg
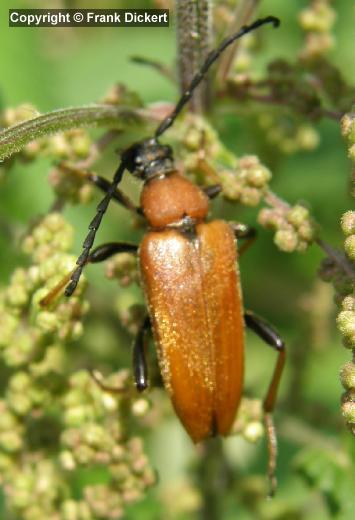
{"x":139,"y":361}
{"x":271,"y":338}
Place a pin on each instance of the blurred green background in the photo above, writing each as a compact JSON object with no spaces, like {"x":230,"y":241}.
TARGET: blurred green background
{"x":54,"y":68}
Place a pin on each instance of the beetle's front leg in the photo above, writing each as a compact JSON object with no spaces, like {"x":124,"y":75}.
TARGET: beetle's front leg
{"x":102,"y":184}
{"x":243,"y":232}
{"x":271,"y":338}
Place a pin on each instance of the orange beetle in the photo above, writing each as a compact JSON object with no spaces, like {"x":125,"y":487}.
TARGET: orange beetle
{"x":191,"y":284}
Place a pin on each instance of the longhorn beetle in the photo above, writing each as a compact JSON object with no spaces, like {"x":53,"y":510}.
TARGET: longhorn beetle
{"x":190,"y":278}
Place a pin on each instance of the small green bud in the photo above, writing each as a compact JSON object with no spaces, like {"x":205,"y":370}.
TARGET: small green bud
{"x":348,"y":223}
{"x":140,"y":407}
{"x":84,"y":454}
{"x":13,"y":116}
{"x":306,"y":232}
{"x":76,"y":416}
{"x":349,"y":341}
{"x":17,"y":296}
{"x":93,"y":434}
{"x":351,"y":152}
{"x":307,"y":137}
{"x":20,"y":382}
{"x":346,"y":323}
{"x":8,"y":326}
{"x":348,"y":409}
{"x":286,"y":240}
{"x":11,"y":441}
{"x":319,"y":17}
{"x":21,"y":404}
{"x":259,"y":176}
{"x":250,"y":196}
{"x":80,"y":143}
{"x":347,"y":125}
{"x":347,"y":375}
{"x":7,"y":466}
{"x":297,"y":215}
{"x":253,"y":431}
{"x":348,"y":303}
{"x":349,"y":246}
{"x":47,"y":321}
{"x":67,"y":460}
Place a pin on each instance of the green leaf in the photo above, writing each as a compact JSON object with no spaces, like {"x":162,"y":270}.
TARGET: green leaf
{"x":13,"y":139}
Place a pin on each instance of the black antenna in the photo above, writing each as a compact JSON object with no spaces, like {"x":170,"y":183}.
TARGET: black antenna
{"x":93,"y":227}
{"x":211,"y":58}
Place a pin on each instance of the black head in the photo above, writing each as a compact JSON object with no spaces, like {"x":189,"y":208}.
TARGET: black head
{"x":148,"y":159}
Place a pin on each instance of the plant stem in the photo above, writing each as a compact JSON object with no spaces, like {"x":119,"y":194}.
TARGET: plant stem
{"x":242,"y":15}
{"x":213,"y":478}
{"x":194,"y":33}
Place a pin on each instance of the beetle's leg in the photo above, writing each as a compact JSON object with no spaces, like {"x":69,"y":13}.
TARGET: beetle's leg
{"x":163,"y":69}
{"x":271,"y":337}
{"x":243,"y":232}
{"x":99,"y":254}
{"x":140,"y":369}
{"x":96,"y":376}
{"x":105,"y":251}
{"x":103,"y":185}
{"x":213,"y":190}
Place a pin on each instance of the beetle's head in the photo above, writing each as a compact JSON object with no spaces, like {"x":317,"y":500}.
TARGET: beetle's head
{"x":148,"y":159}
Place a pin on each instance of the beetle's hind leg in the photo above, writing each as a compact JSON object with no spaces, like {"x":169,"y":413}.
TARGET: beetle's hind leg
{"x":271,"y":338}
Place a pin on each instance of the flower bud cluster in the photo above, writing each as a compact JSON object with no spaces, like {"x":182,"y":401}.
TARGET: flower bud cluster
{"x":26,"y":328}
{"x":120,"y":94}
{"x":348,"y":131}
{"x":70,"y":186}
{"x":294,"y":229}
{"x":249,"y":420}
{"x":317,"y":21}
{"x":130,"y":315}
{"x":346,"y":324}
{"x":288,"y":132}
{"x":53,"y":423}
{"x":247,"y":183}
{"x":123,"y":268}
{"x":95,"y":434}
{"x":208,"y":161}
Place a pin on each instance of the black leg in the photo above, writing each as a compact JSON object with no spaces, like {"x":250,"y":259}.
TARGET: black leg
{"x":105,"y":251}
{"x":118,"y":196}
{"x":103,"y":185}
{"x":271,"y":338}
{"x":213,"y":190}
{"x":243,"y":232}
{"x":99,"y":254}
{"x":140,"y":369}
